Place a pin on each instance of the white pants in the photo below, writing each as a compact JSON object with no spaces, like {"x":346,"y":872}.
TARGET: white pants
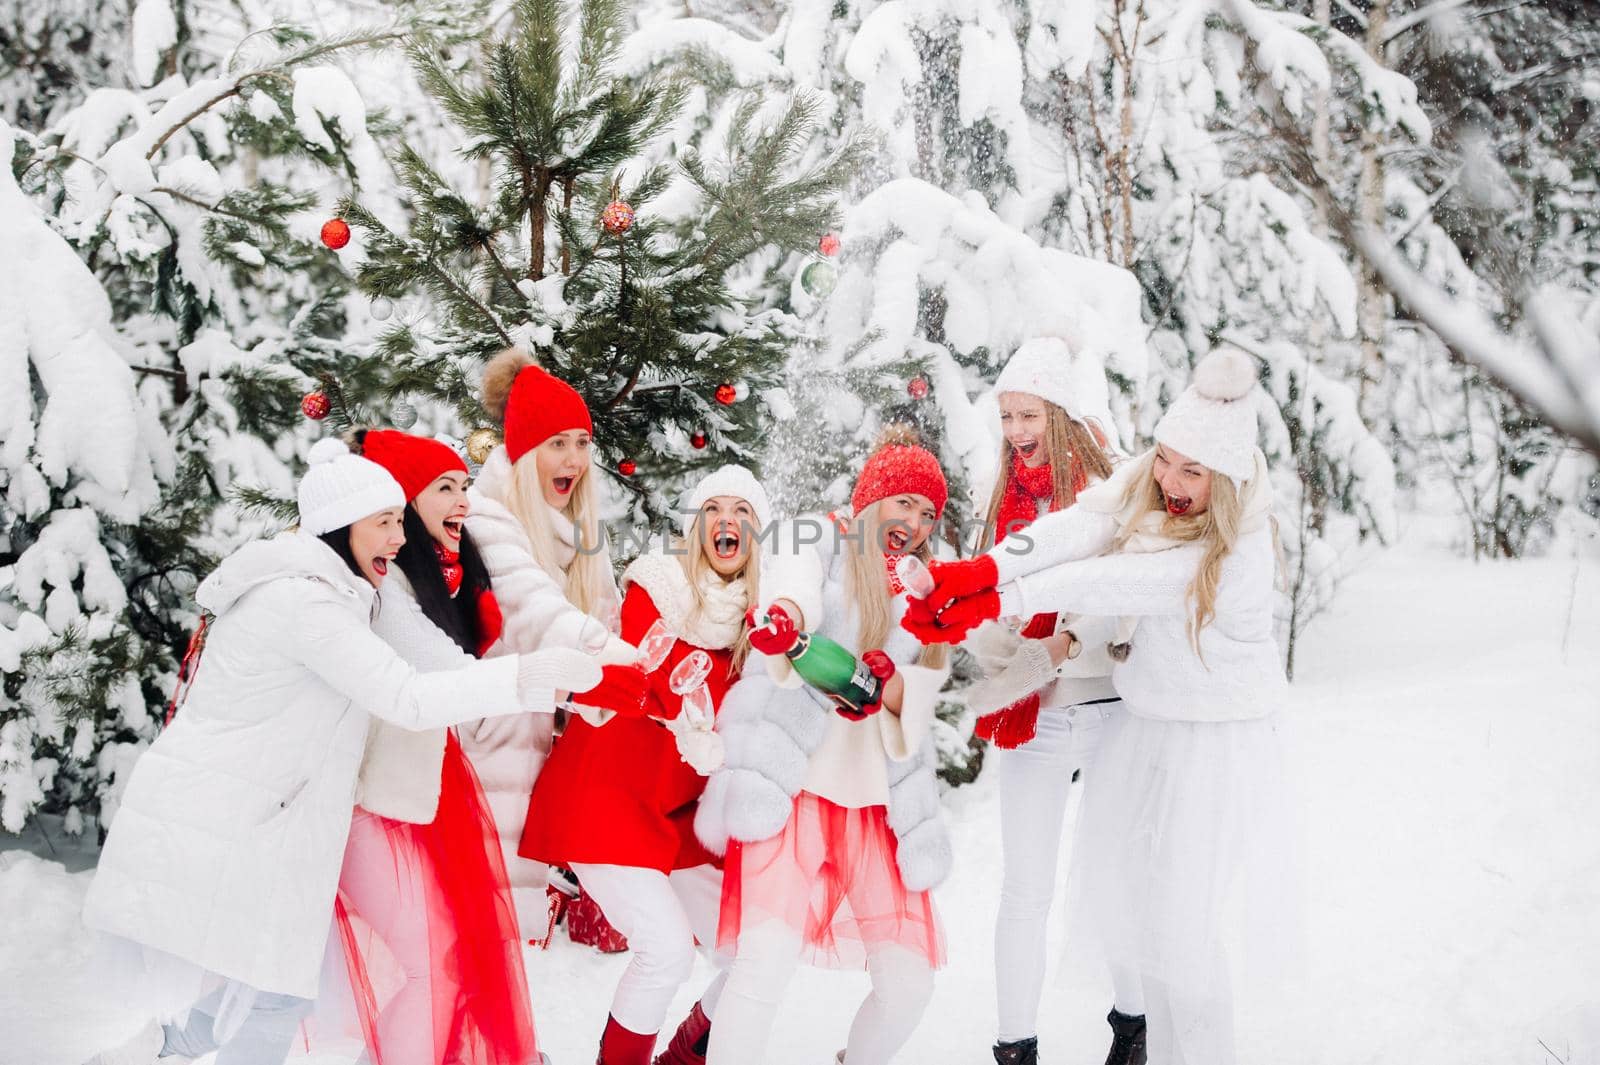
{"x":769,"y":954}
{"x":1035,"y":784}
{"x":661,"y":916}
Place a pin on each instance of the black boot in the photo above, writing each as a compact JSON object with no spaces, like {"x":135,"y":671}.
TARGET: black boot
{"x":1022,"y":1052}
{"x":1127,"y":1039}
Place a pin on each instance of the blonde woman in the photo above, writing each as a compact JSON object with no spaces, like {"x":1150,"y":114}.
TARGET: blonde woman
{"x":1186,"y":836}
{"x":535,"y":518}
{"x":617,"y":804}
{"x":1046,"y":738}
{"x":831,"y":821}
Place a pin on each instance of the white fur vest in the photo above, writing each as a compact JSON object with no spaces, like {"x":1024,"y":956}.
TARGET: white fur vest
{"x":771,"y":732}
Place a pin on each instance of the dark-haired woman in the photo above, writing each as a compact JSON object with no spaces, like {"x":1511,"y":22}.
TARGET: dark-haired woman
{"x":423,"y":871}
{"x":219,"y":874}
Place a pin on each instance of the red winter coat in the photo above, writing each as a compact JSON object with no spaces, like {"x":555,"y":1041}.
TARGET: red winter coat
{"x":619,"y":794}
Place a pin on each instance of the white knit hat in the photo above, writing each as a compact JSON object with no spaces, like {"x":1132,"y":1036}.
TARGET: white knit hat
{"x":1045,"y":367}
{"x":1214,"y":421}
{"x":730,"y":480}
{"x":340,"y":488}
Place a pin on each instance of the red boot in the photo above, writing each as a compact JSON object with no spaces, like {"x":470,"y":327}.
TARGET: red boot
{"x":688,"y":1046}
{"x":618,"y":1046}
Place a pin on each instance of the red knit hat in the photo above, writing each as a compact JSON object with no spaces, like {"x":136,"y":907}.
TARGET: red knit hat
{"x":540,"y":406}
{"x":895,"y":469}
{"x":414,"y":461}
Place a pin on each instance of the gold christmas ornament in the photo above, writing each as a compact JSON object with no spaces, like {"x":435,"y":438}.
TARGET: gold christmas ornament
{"x":480,"y":442}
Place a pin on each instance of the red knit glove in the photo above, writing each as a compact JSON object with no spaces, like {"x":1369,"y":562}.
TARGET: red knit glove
{"x":777,"y":635}
{"x":882,"y":667}
{"x":1011,"y":726}
{"x":920,"y":622}
{"x":967,"y":613}
{"x":621,"y":688}
{"x":956,"y":580}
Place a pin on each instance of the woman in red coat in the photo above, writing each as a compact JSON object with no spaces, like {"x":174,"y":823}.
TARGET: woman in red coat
{"x":617,"y":803}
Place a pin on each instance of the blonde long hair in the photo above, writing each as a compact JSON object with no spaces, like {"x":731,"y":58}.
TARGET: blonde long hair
{"x":1217,"y":527}
{"x":1071,"y":446}
{"x":868,"y":592}
{"x":695,"y":567}
{"x":587,"y":583}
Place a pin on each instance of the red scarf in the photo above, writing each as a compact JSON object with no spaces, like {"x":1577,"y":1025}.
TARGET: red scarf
{"x":1026,"y":487}
{"x":449,"y":567}
{"x":490,"y":621}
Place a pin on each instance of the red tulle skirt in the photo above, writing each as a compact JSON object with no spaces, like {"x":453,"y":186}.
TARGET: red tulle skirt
{"x":429,"y":934}
{"x":831,"y":876}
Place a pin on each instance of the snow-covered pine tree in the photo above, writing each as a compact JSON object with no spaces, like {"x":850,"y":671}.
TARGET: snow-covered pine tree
{"x":622,"y":273}
{"x":173,"y":196}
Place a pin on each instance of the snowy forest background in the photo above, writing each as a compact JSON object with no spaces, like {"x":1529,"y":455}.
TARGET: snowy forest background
{"x":1392,"y":204}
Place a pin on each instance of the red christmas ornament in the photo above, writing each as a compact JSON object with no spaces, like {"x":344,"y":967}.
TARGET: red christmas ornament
{"x":918,"y":387}
{"x":698,"y":440}
{"x":829,"y":244}
{"x":726,"y":394}
{"x":617,"y":218}
{"x":336,"y":233}
{"x":627,"y":468}
{"x":315,"y":406}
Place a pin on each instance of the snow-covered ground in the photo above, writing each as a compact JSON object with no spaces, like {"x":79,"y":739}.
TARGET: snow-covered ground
{"x":1448,"y":720}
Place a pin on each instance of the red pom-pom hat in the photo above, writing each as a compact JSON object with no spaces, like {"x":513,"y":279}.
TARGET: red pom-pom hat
{"x":414,"y":461}
{"x":540,"y":406}
{"x":897,"y":469}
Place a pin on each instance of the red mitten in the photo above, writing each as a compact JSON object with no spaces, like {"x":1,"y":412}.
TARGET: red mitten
{"x":956,"y":580}
{"x":777,"y":635}
{"x":1011,"y":726}
{"x":965,"y":614}
{"x":621,"y":688}
{"x":920,"y":622}
{"x":882,"y":667}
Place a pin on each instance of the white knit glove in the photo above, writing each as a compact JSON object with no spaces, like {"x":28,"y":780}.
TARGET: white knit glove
{"x":700,"y":748}
{"x":555,"y":669}
{"x":1028,"y":670}
{"x":993,"y":644}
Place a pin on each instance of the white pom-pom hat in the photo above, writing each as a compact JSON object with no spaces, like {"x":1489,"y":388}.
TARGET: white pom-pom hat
{"x":730,"y":480}
{"x":341,"y":488}
{"x":1045,"y":367}
{"x":1214,"y":421}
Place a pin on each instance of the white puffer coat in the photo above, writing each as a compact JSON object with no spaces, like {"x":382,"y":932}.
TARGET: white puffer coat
{"x":227,"y":846}
{"x":508,"y":754}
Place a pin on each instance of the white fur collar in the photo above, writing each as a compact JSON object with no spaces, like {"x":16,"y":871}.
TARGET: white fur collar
{"x":715,"y":627}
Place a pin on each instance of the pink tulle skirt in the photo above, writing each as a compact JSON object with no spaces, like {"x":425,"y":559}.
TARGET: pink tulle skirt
{"x":429,"y":934}
{"x":832,"y":877}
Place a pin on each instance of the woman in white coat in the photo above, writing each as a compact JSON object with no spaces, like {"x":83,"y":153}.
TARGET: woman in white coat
{"x":220,"y":870}
{"x":536,"y":519}
{"x":1048,"y":691}
{"x":423,"y":872}
{"x":1186,"y":845}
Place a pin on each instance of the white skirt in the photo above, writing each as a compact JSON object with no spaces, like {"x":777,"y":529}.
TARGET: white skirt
{"x":1187,"y":862}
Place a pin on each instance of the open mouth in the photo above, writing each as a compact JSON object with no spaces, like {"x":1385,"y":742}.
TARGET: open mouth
{"x":562,"y":485}
{"x":896,"y":540}
{"x":726,"y":543}
{"x":1178,"y":505}
{"x":452,"y":528}
{"x":1026,"y":450}
{"x":380,"y":565}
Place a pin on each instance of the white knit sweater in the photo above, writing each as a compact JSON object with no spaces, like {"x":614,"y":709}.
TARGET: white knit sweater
{"x":1238,"y":674}
{"x":400,"y":770}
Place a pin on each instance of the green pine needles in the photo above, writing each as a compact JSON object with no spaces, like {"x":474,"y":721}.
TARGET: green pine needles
{"x":645,"y":321}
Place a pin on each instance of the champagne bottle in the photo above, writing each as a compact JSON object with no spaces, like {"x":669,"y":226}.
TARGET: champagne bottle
{"x":827,"y":666}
